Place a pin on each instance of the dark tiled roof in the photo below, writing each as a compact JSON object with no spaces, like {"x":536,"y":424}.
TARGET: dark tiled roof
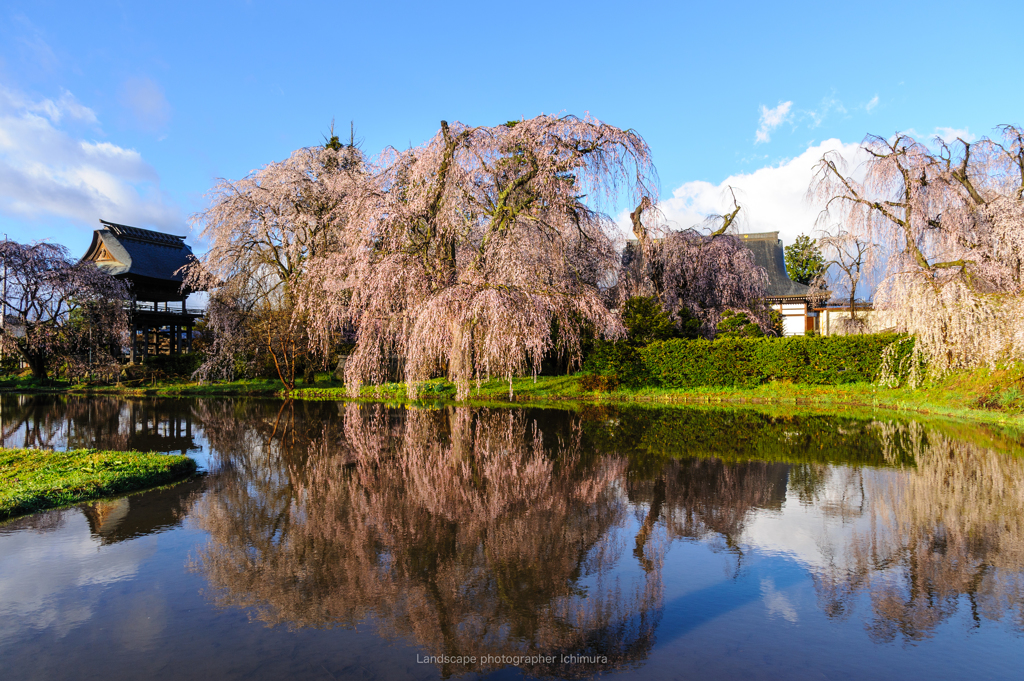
{"x":767,"y":250}
{"x":141,"y":252}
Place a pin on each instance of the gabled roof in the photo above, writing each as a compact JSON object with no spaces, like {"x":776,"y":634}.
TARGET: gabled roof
{"x":767,"y":250}
{"x":133,"y":252}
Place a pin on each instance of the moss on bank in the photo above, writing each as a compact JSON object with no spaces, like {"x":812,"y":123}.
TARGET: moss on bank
{"x":36,"y":479}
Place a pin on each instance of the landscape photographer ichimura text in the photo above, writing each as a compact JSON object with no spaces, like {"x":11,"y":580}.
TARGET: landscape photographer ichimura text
{"x":511,"y":659}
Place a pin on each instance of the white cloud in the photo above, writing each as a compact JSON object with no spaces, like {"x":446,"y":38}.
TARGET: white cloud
{"x":773,"y":197}
{"x":948,"y":135}
{"x":871,"y":104}
{"x":44,"y":581}
{"x":47,"y":170}
{"x":771,"y":119}
{"x":828,"y":105}
{"x":66,"y":107}
{"x":145,"y":100}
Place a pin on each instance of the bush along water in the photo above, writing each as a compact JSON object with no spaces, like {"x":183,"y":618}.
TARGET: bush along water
{"x":741,"y":362}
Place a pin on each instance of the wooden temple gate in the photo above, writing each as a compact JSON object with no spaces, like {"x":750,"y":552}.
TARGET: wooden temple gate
{"x":152,"y":263}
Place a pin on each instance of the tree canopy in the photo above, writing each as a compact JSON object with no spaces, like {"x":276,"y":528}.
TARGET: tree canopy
{"x":946,"y":225}
{"x":59,"y":309}
{"x":458,"y":257}
{"x":804,"y":261}
{"x":697,"y":275}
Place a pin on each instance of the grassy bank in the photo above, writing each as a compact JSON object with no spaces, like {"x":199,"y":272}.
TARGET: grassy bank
{"x":982,"y":395}
{"x":990,"y":396}
{"x":35,"y":479}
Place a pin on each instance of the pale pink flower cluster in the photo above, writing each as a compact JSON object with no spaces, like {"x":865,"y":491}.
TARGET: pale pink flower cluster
{"x":946,"y":230}
{"x":60,"y":309}
{"x":477,"y":254}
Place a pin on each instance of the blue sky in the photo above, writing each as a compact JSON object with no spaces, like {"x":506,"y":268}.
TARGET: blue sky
{"x":129,"y":111}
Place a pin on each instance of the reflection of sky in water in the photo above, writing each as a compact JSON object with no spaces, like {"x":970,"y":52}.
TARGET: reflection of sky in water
{"x":55,"y":580}
{"x":814,"y":534}
{"x":741,"y":593}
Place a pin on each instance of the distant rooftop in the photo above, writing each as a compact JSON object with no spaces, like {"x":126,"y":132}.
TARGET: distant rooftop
{"x":767,"y":250}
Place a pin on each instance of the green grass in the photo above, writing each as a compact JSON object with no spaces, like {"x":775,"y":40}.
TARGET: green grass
{"x":982,"y":395}
{"x":35,"y":479}
{"x":995,"y":396}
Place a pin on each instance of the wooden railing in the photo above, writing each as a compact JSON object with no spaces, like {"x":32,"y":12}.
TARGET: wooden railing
{"x":164,"y":308}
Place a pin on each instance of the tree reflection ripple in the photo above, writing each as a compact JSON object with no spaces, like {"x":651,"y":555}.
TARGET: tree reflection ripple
{"x":471,"y":531}
{"x":477,"y":532}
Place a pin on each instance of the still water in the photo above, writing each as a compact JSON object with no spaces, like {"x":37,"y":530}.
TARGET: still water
{"x":337,"y":540}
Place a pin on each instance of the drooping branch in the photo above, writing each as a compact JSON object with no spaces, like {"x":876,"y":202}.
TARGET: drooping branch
{"x":950,"y":225}
{"x":729,"y":218}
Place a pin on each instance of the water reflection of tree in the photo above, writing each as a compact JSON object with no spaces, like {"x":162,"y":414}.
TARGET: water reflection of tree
{"x":946,"y":532}
{"x":705,"y":499}
{"x":485,"y":532}
{"x":466,"y":530}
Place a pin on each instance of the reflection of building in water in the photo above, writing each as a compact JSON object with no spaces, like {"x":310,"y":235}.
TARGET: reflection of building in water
{"x":140,"y":514}
{"x":96,"y":422}
{"x":160,"y":426}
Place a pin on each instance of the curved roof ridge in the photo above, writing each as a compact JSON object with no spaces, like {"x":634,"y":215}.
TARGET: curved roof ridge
{"x":768,"y":253}
{"x":147,"y":235}
{"x":139,"y":252}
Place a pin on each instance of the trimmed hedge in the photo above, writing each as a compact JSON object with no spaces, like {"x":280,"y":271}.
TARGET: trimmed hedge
{"x":744,"y":362}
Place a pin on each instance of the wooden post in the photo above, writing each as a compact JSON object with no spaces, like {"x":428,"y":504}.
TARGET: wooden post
{"x":188,"y":336}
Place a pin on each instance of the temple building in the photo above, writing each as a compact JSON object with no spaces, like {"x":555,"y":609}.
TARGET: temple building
{"x":151,"y":262}
{"x":792,"y":299}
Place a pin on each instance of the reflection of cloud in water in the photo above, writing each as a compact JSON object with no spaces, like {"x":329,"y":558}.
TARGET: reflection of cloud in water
{"x":464,"y":530}
{"x":57,"y":584}
{"x":814,"y":532}
{"x":776,"y":602}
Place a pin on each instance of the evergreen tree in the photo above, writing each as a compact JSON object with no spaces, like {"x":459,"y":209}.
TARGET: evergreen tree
{"x":804,"y":261}
{"x":646,"y":321}
{"x":737,"y":325}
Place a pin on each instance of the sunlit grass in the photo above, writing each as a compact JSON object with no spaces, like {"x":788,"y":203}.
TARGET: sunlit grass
{"x":36,"y":479}
{"x":995,"y":395}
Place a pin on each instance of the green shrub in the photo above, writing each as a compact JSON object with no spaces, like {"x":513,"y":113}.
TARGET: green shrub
{"x":737,"y":325}
{"x":175,"y":365}
{"x":646,"y":321}
{"x":618,"y":359}
{"x":689,"y":326}
{"x":743,"y":362}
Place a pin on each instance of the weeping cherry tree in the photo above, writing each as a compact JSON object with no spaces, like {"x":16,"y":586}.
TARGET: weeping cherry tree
{"x":263,"y":231}
{"x":947,"y":230}
{"x":478,"y":253}
{"x":702,"y":271}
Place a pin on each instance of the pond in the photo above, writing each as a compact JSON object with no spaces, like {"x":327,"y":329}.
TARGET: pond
{"x":334,"y":540}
